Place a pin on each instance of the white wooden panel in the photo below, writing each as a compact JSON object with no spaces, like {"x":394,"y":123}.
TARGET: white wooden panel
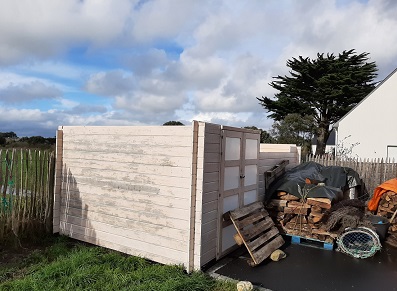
{"x":128,"y":130}
{"x":92,"y":175}
{"x":231,"y":178}
{"x":176,"y":243}
{"x":144,"y":246}
{"x":164,"y":158}
{"x":99,"y":194}
{"x":164,"y":229}
{"x":130,"y":188}
{"x":132,"y":139}
{"x":168,"y":191}
{"x":250,"y":197}
{"x":137,"y":149}
{"x":251,"y":148}
{"x":280,"y":155}
{"x":162,"y":170}
{"x":125,"y":245}
{"x":92,"y":202}
{"x":232,"y":149}
{"x":123,"y":213}
{"x":227,"y":237}
{"x":251,"y":175}
{"x":230,"y":203}
{"x":265,"y":147}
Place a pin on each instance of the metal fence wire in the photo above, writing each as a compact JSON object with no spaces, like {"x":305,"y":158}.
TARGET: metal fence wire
{"x":361,"y":242}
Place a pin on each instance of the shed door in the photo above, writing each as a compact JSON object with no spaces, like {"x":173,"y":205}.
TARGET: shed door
{"x":239,"y":181}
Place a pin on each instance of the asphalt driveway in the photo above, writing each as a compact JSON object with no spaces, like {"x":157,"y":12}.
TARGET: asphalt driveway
{"x":308,"y":268}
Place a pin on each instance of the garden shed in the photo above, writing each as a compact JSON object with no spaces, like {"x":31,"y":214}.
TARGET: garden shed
{"x":159,"y":191}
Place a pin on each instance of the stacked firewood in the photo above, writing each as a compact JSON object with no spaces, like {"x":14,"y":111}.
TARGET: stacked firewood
{"x":301,"y":217}
{"x":387,"y":208}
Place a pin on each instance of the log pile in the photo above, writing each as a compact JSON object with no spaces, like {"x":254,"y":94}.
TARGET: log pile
{"x":387,"y":207}
{"x":301,"y":217}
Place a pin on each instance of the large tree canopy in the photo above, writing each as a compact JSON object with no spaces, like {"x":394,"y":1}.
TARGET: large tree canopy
{"x":325,"y":88}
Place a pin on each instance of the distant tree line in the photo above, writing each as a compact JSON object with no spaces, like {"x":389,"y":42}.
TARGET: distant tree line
{"x":10,"y":139}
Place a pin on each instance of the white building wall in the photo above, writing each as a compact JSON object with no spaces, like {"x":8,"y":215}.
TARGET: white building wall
{"x":372,"y":123}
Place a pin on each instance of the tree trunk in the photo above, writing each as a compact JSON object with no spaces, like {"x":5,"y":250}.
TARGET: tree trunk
{"x":322,"y":137}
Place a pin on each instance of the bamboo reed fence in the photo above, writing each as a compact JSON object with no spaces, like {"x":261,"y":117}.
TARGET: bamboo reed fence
{"x":26,"y":190}
{"x":373,"y":172}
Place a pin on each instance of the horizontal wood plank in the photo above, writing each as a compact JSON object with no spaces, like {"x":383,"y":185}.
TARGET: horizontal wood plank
{"x":236,"y":214}
{"x":149,"y":218}
{"x":128,"y":130}
{"x":117,"y":166}
{"x":163,"y":158}
{"x":124,"y":247}
{"x":253,"y":245}
{"x":256,"y":229}
{"x":178,"y":242}
{"x":251,"y":219}
{"x":92,"y":192}
{"x":266,"y":250}
{"x":141,"y":246}
{"x":94,"y":204}
{"x":91,"y":176}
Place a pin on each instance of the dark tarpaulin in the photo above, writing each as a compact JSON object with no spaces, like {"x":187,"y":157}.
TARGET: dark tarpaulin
{"x":336,"y":180}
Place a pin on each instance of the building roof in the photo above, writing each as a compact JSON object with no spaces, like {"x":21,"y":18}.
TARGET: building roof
{"x":336,"y":125}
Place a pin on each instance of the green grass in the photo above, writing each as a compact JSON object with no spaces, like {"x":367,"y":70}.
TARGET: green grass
{"x":72,"y":266}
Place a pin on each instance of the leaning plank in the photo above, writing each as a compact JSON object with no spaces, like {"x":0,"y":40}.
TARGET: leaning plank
{"x":256,"y":230}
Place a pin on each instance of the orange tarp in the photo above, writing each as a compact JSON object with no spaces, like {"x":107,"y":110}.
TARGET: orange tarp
{"x":390,"y":185}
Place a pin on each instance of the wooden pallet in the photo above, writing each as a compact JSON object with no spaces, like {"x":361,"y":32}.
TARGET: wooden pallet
{"x":275,"y":172}
{"x":256,"y":230}
{"x":311,"y":242}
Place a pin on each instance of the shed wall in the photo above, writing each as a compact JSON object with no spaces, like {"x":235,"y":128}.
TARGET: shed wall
{"x":129,"y":189}
{"x":210,"y":136}
{"x":272,"y":154}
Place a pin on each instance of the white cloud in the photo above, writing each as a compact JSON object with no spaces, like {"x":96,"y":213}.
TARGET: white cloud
{"x":170,"y":59}
{"x":27,"y":92}
{"x":110,"y":83}
{"x":43,"y":28}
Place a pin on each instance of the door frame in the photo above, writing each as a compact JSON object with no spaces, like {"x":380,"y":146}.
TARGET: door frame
{"x":243,"y":134}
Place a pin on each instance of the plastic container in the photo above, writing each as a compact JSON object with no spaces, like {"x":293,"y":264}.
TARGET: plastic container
{"x":381,"y":225}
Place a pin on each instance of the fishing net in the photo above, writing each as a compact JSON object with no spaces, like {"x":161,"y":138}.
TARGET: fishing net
{"x":346,"y":214}
{"x":361,"y":242}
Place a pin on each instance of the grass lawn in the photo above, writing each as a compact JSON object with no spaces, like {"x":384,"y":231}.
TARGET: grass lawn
{"x":66,"y":264}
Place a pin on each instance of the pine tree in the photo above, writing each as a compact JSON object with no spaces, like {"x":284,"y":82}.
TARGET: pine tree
{"x":325,"y":88}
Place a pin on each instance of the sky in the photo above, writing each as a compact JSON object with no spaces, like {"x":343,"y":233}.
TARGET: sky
{"x":146,"y":62}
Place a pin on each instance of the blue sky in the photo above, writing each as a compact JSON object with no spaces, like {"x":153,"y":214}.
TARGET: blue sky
{"x":127,"y":62}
